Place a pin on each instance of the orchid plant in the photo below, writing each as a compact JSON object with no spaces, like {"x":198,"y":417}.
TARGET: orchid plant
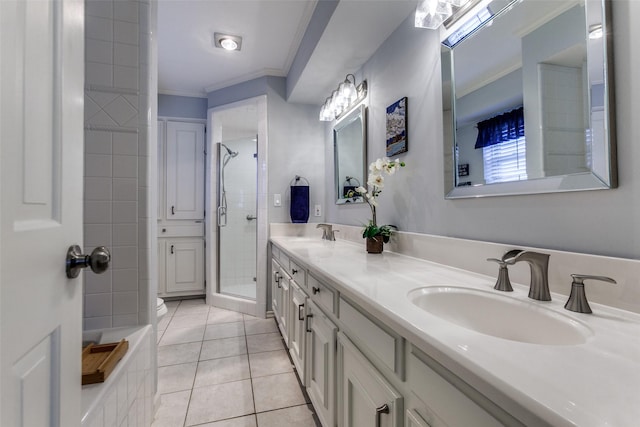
{"x":375,"y":182}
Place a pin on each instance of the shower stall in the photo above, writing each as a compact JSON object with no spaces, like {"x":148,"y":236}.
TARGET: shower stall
{"x":236,"y":217}
{"x":237,"y":230}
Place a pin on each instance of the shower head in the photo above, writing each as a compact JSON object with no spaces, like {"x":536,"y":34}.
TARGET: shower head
{"x":229,"y":151}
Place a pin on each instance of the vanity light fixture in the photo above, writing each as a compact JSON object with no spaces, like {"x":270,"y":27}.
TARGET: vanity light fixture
{"x":343,"y":98}
{"x":227,"y":41}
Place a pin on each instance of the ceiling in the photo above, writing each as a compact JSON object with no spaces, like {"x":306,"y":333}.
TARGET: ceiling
{"x":272,"y":31}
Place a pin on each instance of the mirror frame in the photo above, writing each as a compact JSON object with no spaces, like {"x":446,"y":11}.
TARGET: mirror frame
{"x":560,"y":183}
{"x":359,"y":111}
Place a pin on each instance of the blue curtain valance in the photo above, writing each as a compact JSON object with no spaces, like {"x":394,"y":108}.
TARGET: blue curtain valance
{"x":501,"y":128}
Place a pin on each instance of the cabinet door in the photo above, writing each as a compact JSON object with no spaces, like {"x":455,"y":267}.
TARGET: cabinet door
{"x":366,"y":398}
{"x":297,"y":329}
{"x":320,"y":361}
{"x":185,"y":265}
{"x":283,"y":318}
{"x":185,"y":171}
{"x":276,"y":293}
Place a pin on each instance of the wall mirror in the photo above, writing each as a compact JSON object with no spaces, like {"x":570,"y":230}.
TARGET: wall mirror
{"x":528,"y":100}
{"x":350,"y":154}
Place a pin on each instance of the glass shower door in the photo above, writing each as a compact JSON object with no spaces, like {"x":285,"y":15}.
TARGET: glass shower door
{"x":237,"y":217}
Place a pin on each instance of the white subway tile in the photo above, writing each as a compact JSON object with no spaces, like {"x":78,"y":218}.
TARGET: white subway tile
{"x":125,"y":143}
{"x":97,"y":305}
{"x":125,"y":280}
{"x":126,"y":10}
{"x":98,"y":51}
{"x":97,"y":235}
{"x":142,"y":171}
{"x":102,"y":8}
{"x":125,"y":189}
{"x":97,"y":283}
{"x":125,"y":77}
{"x":120,"y":320}
{"x":125,"y":234}
{"x":122,"y":399}
{"x":97,"y":212}
{"x":97,"y":142}
{"x":111,"y":409}
{"x":143,"y":235}
{"x":125,"y":166}
{"x":125,"y":55}
{"x":143,"y":264}
{"x":91,"y":323}
{"x":124,"y":212}
{"x":98,"y":74}
{"x":125,"y":32}
{"x":99,"y":29}
{"x":143,"y":211}
{"x":124,"y":257}
{"x":97,"y":165}
{"x":125,"y":302}
{"x":97,"y":188}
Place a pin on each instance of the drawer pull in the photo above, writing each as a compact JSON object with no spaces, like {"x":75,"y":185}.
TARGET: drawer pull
{"x":172,"y":249}
{"x":173,"y":210}
{"x":300,"y":316}
{"x":384,"y":409}
{"x":308,"y":317}
{"x":294,"y":271}
{"x":315,"y":290}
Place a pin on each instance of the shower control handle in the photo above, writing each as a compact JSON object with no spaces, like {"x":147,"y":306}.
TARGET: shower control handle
{"x":315,"y":290}
{"x":98,"y":261}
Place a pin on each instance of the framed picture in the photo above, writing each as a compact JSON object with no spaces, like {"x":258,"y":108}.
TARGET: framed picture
{"x":397,"y":128}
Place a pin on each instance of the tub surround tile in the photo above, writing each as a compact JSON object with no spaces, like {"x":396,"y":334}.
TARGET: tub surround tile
{"x":238,"y":398}
{"x":176,"y":377}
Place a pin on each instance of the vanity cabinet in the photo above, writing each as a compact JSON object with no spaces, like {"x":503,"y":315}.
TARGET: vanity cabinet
{"x":359,"y":371}
{"x":365,"y":397}
{"x":321,"y":363}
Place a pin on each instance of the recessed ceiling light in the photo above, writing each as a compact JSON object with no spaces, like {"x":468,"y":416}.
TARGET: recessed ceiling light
{"x":227,"y":41}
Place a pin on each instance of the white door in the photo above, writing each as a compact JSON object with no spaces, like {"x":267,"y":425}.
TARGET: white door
{"x":185,"y":170}
{"x":41,"y":192}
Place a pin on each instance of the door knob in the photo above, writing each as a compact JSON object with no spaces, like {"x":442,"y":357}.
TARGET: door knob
{"x":98,"y":261}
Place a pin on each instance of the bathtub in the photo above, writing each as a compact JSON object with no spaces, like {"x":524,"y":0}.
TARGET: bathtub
{"x":126,"y":397}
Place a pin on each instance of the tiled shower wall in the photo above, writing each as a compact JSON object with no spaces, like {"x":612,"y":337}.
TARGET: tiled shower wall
{"x":117,"y":127}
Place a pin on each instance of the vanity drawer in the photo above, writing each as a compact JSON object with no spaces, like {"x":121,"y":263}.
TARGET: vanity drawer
{"x":275,"y":252}
{"x":284,"y":261}
{"x":322,"y":294}
{"x":387,"y":346}
{"x":195,"y":229}
{"x":298,"y":273}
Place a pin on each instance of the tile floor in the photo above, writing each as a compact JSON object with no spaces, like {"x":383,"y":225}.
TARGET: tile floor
{"x":219,"y":368}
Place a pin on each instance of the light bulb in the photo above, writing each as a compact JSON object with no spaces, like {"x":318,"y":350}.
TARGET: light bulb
{"x":228,"y":44}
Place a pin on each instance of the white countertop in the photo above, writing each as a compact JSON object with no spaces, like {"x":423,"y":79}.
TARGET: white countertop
{"x":592,"y":384}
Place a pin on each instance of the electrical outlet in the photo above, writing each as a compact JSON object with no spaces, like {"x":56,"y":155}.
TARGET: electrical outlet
{"x":277,"y":200}
{"x":317,"y":211}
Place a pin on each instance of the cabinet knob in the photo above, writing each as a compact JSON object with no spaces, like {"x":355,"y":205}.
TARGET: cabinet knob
{"x":294,"y":271}
{"x":315,"y":290}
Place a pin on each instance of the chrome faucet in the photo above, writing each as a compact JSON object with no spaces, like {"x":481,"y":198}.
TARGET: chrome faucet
{"x":327,"y":232}
{"x":539,"y":265}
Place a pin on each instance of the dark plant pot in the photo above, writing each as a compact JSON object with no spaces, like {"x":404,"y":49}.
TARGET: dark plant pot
{"x":375,"y":244}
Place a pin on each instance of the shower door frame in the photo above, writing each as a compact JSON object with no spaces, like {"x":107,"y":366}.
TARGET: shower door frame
{"x":257,"y":307}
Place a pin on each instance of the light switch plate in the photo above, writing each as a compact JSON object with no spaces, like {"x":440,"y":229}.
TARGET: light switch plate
{"x":277,"y":200}
{"x":317,"y":211}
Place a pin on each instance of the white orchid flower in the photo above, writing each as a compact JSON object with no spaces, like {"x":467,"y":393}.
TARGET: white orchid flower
{"x":361,"y":190}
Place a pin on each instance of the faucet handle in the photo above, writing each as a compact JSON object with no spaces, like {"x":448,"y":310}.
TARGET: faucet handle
{"x":333,"y":234}
{"x":509,"y":256}
{"x":503,"y":283}
{"x":578,"y":299}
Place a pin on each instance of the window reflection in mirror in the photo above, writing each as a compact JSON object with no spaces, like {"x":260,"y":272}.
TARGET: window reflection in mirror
{"x":531,"y":57}
{"x":350,"y":142}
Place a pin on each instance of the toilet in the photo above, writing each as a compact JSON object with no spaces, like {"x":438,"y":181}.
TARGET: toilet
{"x":161,"y":308}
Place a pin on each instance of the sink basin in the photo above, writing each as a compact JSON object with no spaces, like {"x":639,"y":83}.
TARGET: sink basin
{"x":499,"y":315}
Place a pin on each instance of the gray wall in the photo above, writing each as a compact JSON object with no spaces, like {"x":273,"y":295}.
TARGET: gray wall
{"x":182,"y":106}
{"x":597,"y":222}
{"x":296,"y":143}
